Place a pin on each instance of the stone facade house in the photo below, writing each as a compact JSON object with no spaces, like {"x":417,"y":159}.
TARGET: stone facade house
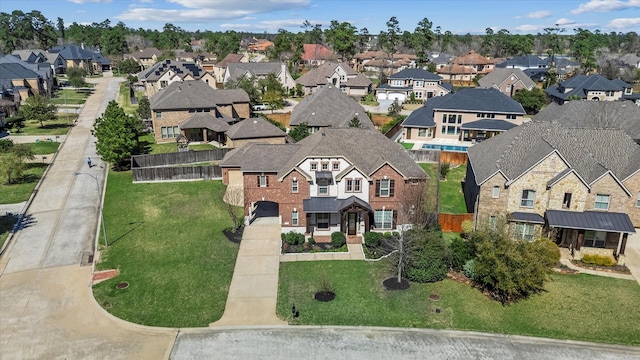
{"x":421,"y":83}
{"x":195,"y":110}
{"x":329,"y":107}
{"x":472,"y":114}
{"x":350,"y":180}
{"x":579,"y":186}
{"x":508,"y":81}
{"x":259,"y":70}
{"x":339,"y":75}
{"x":219,"y":69}
{"x":146,"y":57}
{"x":591,"y":87}
{"x":463,"y":69}
{"x":254,"y":130}
{"x":167,"y":72}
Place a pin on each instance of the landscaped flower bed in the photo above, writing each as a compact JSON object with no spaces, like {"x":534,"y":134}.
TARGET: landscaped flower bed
{"x":293,"y":242}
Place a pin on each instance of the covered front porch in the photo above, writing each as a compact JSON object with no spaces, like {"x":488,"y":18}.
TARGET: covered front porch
{"x":325,"y":215}
{"x":591,"y":232}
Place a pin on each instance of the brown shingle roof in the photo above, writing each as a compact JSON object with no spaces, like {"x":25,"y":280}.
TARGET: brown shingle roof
{"x":472,"y":58}
{"x":254,"y":128}
{"x":195,"y":94}
{"x":205,"y":121}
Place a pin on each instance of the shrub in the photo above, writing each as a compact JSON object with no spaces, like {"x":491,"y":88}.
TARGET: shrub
{"x":460,"y":252}
{"x":467,"y":227}
{"x":372,"y":239}
{"x":469,"y":269}
{"x":293,"y":238}
{"x":426,"y":261}
{"x":311,"y":241}
{"x":386,"y":234}
{"x":598,"y":260}
{"x":337,"y":239}
{"x":444,"y":170}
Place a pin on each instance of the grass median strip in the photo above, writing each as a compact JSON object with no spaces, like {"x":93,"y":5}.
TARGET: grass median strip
{"x":166,"y":241}
{"x":22,"y":189}
{"x":578,"y":307}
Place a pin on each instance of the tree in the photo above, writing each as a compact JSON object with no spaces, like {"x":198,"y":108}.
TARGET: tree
{"x":510,"y":269}
{"x":390,"y":39}
{"x":363,"y":39}
{"x":76,"y":77}
{"x":426,"y":261}
{"x":271,"y":83}
{"x":234,"y":200}
{"x":60,"y":26}
{"x":247,"y":84}
{"x":274,"y":99}
{"x":531,"y":100}
{"x":144,"y":109}
{"x":115,"y":134}
{"x":39,"y":108}
{"x":395,"y":108}
{"x":355,"y":122}
{"x":422,"y":39}
{"x":342,"y":37}
{"x":113,"y":40}
{"x":12,"y":160}
{"x":299,"y":132}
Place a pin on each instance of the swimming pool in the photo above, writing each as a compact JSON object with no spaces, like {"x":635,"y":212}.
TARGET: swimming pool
{"x":445,"y":147}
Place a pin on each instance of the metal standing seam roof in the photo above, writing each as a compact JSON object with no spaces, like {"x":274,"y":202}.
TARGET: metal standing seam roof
{"x":488,"y":124}
{"x":591,"y":220}
{"x":526,"y":217}
{"x":331,"y":204}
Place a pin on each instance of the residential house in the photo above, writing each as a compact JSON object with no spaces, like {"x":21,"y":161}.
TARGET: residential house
{"x":167,"y":72}
{"x":316,"y":54}
{"x":630,"y":60}
{"x":339,"y":75}
{"x":260,"y":70}
{"x":20,"y":80}
{"x":43,"y":69}
{"x":507,"y":80}
{"x":195,"y":57}
{"x":579,"y":186}
{"x":463,"y":69}
{"x":259,"y":45}
{"x":218,"y":69}
{"x":146,"y":57}
{"x":197,"y":111}
{"x":590,"y":87}
{"x":90,"y":60}
{"x":254,"y":130}
{"x":329,"y":107}
{"x":380,"y":62}
{"x":471,"y":114}
{"x":595,"y":115}
{"x":440,"y":60}
{"x":524,"y":63}
{"x":422,"y":83}
{"x":339,"y":179}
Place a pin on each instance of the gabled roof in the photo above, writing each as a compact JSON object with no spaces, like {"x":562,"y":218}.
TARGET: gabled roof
{"x":498,"y":76}
{"x":16,"y":71}
{"x":72,"y":52}
{"x":595,"y":115}
{"x":42,"y":69}
{"x":489,"y":100}
{"x":234,"y":70}
{"x":488,"y":124}
{"x":526,"y":61}
{"x":423,"y":116}
{"x":319,"y":75}
{"x":205,"y":121}
{"x":415,"y":74}
{"x":195,"y":94}
{"x":472,"y":58}
{"x":366,"y":149}
{"x":457,"y":69}
{"x":359,"y":80}
{"x":582,"y":84}
{"x":254,"y":128}
{"x":329,"y":107}
{"x":257,"y":157}
{"x":592,"y":153}
{"x":180,"y":68}
{"x":146,"y":53}
{"x":440,"y":58}
{"x":316,"y":52}
{"x":230,"y":58}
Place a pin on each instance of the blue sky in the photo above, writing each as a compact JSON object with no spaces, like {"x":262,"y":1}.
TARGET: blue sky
{"x":457,"y":16}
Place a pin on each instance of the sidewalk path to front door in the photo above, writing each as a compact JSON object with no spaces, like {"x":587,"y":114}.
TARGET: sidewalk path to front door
{"x":253,"y":293}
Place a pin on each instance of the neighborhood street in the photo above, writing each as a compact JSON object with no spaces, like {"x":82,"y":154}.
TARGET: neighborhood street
{"x":47,"y":309}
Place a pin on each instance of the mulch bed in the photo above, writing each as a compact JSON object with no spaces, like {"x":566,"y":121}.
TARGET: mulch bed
{"x":618,"y":269}
{"x":458,"y":277}
{"x":234,"y":237}
{"x":393,"y":284}
{"x":324,"y":296}
{"x":305,"y":248}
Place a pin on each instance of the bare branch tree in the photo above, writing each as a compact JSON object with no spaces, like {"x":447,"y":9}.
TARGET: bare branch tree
{"x":233,"y":199}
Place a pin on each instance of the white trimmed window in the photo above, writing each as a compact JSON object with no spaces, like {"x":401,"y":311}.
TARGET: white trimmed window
{"x":294,"y":218}
{"x":314,"y":166}
{"x":348,"y":185}
{"x":324,"y":166}
{"x":495,"y":192}
{"x":602,"y":202}
{"x":638,"y":201}
{"x":263,"y":181}
{"x":357,"y":185}
{"x":523,"y":231}
{"x":422,"y":132}
{"x":383,"y":219}
{"x":158,"y":114}
{"x":384,"y":188}
{"x":528,"y":198}
{"x":294,"y":186}
{"x":169,"y":131}
{"x":595,"y":239}
{"x":335,"y":166}
{"x":322,"y":220}
{"x":323,"y":187}
{"x":419,"y":84}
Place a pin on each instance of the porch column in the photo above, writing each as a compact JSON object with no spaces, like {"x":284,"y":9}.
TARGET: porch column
{"x":204,"y":135}
{"x":580,"y":239}
{"x":622,"y":243}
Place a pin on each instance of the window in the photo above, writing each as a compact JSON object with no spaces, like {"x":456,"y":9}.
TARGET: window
{"x":314,"y":166}
{"x":595,"y":239}
{"x":396,"y":83}
{"x":523,"y":231}
{"x":324,"y":166}
{"x":383,"y":219}
{"x":492,"y":222}
{"x":263,"y":181}
{"x":294,"y":186}
{"x":335,"y":166}
{"x":419,"y":84}
{"x":422,"y":132}
{"x":294,"y":218}
{"x":511,"y":116}
{"x":508,"y":88}
{"x":495,"y":192}
{"x":163,"y":83}
{"x":322,"y":220}
{"x":602,"y":202}
{"x":385,"y":188}
{"x":418,"y":94}
{"x":342,"y":78}
{"x":323,"y":187}
{"x":357,"y":185}
{"x":158,"y":114}
{"x":348,"y":186}
{"x":528,"y":198}
{"x":566,"y":201}
{"x":169,"y":131}
{"x":638,"y":201}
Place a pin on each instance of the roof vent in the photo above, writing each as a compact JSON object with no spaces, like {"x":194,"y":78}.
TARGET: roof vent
{"x":313,"y":113}
{"x":255,"y":121}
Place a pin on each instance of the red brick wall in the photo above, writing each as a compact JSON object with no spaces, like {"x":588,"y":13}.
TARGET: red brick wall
{"x":390,"y":203}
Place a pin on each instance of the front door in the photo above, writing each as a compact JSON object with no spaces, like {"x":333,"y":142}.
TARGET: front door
{"x":351,"y":223}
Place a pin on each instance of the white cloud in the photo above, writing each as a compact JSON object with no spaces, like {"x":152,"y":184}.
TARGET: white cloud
{"x":538,"y":14}
{"x":208,"y":10}
{"x":89,"y":1}
{"x":146,"y":1}
{"x":529,"y":28}
{"x":605,"y":6}
{"x":269,"y":25}
{"x":622,"y":23}
{"x":564,"y":21}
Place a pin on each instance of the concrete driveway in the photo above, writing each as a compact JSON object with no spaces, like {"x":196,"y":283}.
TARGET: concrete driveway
{"x":632,"y":254}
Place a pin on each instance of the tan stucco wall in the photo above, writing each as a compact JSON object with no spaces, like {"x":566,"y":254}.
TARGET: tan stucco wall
{"x":466,"y":118}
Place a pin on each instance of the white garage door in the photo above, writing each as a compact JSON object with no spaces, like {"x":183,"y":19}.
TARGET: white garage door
{"x":382,"y":96}
{"x":399,"y":97}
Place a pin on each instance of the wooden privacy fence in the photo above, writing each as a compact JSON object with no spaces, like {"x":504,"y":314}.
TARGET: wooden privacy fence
{"x":185,"y":157}
{"x":282,"y":118}
{"x":453,"y":222}
{"x":454,"y":157}
{"x":176,"y":173}
{"x":425,"y":156}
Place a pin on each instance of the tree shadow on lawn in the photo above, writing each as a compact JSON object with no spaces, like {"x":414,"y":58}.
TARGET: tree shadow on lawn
{"x":136,"y":224}
{"x":55,"y":126}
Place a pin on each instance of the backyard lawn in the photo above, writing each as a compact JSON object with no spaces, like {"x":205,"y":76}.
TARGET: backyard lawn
{"x":149,"y":142}
{"x":166,"y":241}
{"x":577,"y":307}
{"x":19,"y":192}
{"x":451,"y":195}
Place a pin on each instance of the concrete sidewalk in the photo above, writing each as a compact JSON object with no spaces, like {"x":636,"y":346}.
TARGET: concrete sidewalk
{"x":253,"y":293}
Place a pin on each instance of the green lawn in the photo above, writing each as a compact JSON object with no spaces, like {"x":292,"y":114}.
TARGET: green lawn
{"x":451,"y":195}
{"x":6,"y":224}
{"x":125,"y":101}
{"x":70,"y":97}
{"x":19,"y":192}
{"x":149,"y":142}
{"x":44,"y":147}
{"x":59,"y":126}
{"x":166,"y":241}
{"x":407,"y":146}
{"x":578,"y":307}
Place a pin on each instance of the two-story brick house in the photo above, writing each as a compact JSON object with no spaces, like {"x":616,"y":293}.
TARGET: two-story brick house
{"x":580,"y":186}
{"x":338,"y":179}
{"x":422,"y":83}
{"x":193,"y":109}
{"x":466,"y":115}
